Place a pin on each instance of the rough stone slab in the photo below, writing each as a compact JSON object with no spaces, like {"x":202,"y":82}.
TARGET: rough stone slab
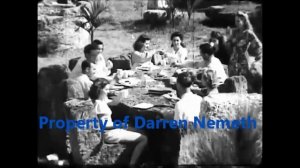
{"x":231,"y":105}
{"x":234,"y":84}
{"x":86,"y":145}
{"x":224,"y":146}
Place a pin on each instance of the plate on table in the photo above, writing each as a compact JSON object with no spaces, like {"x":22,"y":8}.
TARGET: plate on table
{"x":114,"y":87}
{"x":158,"y":77}
{"x":143,"y":106}
{"x":129,"y":82}
{"x":159,"y":90}
{"x":171,"y":96}
{"x":130,"y":72}
{"x":143,"y":68}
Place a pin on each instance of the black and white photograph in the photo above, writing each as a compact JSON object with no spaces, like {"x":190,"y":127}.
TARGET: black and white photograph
{"x":149,"y":83}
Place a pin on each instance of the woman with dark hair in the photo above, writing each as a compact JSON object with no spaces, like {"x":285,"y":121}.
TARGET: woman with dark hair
{"x":142,"y":54}
{"x":98,"y":94}
{"x":207,"y":51}
{"x":179,"y":53}
{"x":242,"y":43}
{"x":220,"y":48}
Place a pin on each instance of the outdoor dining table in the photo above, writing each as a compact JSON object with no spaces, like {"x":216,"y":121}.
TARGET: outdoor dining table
{"x":164,"y":143}
{"x":163,"y":108}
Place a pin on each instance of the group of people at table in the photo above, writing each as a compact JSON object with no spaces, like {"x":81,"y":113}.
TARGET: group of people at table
{"x":93,"y":72}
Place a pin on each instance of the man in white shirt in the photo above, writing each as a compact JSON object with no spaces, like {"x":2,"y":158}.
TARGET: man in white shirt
{"x":91,"y":53}
{"x":104,"y":66}
{"x":189,"y":104}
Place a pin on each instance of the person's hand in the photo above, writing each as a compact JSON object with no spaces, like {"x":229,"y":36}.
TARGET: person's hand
{"x":228,"y":32}
{"x":109,"y":64}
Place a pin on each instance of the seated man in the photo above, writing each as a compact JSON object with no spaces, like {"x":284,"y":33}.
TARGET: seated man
{"x":84,"y":79}
{"x":105,"y":66}
{"x":91,"y":52}
{"x":189,"y":104}
{"x":211,"y":62}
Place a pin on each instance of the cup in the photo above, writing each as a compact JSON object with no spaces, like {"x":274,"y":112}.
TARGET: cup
{"x":173,"y":80}
{"x":119,"y":73}
{"x":124,"y":93}
{"x":125,"y":74}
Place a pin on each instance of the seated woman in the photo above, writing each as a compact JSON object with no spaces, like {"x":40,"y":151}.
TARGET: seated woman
{"x":140,"y":56}
{"x":179,"y":53}
{"x":210,"y":61}
{"x":210,"y":81}
{"x":142,"y":53}
{"x":98,"y":94}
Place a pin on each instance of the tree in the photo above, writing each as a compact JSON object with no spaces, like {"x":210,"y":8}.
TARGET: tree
{"x":139,"y":5}
{"x":171,"y":10}
{"x":190,"y":6}
{"x":91,"y":13}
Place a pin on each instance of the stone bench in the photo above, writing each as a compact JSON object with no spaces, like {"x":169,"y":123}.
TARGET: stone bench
{"x":87,"y":146}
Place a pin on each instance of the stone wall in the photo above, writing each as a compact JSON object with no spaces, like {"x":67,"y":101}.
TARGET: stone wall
{"x":87,"y":146}
{"x":51,"y":95}
{"x":60,"y":23}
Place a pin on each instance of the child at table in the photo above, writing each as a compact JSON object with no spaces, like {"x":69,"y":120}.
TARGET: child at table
{"x":98,"y":95}
{"x":84,"y":78}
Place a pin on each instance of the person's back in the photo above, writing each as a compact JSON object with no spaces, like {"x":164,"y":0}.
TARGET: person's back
{"x":85,"y":84}
{"x":189,"y":104}
{"x":188,"y":107}
{"x":76,"y":71}
{"x":219,"y":68}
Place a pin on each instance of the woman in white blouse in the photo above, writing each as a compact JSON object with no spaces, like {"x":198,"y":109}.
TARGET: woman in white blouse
{"x":179,"y":53}
{"x":98,"y":94}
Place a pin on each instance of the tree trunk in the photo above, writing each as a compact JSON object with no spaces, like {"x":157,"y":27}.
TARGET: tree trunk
{"x":172,"y":17}
{"x":92,"y":35}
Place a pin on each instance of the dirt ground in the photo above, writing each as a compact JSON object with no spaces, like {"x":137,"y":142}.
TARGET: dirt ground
{"x":119,"y":34}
